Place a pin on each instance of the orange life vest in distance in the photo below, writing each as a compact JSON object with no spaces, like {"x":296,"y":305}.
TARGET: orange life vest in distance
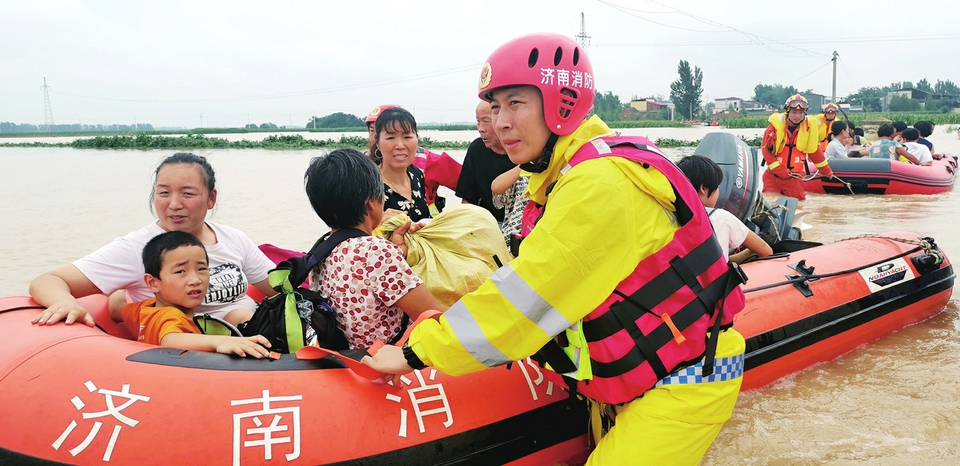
{"x":790,"y":156}
{"x":791,"y":148}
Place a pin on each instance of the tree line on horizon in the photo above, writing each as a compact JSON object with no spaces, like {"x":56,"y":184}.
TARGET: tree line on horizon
{"x":8,"y":127}
{"x":686,"y":94}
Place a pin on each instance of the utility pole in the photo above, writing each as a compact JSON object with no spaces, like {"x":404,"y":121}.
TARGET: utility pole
{"x":583,"y":39}
{"x":47,"y":109}
{"x":833,"y":97}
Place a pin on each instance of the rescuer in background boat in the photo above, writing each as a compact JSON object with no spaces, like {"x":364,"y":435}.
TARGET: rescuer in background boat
{"x":788,"y":140}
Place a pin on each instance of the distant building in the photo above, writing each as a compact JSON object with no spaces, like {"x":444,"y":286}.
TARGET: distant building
{"x":753,"y":105}
{"x":648,"y":104}
{"x":815,"y":101}
{"x":953,"y":101}
{"x":910,"y":93}
{"x":728,"y":103}
{"x":722,"y":115}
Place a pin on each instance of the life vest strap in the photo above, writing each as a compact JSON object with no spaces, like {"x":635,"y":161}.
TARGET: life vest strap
{"x":552,"y":353}
{"x":658,"y":289}
{"x":735,"y":277}
{"x":659,"y":336}
{"x":648,"y":352}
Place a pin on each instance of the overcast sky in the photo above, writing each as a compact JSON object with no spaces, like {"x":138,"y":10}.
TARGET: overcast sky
{"x":169,"y":62}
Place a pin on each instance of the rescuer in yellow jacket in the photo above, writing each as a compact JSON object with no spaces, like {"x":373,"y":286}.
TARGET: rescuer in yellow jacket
{"x":604,"y":216}
{"x":787,"y":141}
{"x":826,"y":120}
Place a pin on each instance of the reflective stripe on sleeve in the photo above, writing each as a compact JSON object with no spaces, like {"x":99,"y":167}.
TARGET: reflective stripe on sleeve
{"x":470,"y":335}
{"x":773,"y":165}
{"x":523,"y":297}
{"x":822,"y":164}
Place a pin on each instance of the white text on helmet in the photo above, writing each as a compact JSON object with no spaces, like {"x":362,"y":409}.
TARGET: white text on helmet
{"x":566,"y":78}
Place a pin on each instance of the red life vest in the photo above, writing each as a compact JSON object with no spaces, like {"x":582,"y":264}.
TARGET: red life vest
{"x":657,"y":319}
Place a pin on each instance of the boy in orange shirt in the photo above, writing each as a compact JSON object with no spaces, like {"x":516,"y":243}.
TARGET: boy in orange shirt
{"x":175,"y":263}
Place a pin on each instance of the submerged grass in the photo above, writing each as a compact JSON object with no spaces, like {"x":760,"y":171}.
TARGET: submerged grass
{"x":148,"y":141}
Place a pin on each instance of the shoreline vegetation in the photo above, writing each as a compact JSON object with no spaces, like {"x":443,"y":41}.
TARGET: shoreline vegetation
{"x":204,"y":138}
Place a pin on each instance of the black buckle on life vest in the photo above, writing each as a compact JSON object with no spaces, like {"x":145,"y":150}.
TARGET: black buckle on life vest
{"x":553,"y":354}
{"x":623,"y":315}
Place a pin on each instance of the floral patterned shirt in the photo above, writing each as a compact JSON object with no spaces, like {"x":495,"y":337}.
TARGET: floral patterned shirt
{"x":363,"y":278}
{"x":416,"y":208}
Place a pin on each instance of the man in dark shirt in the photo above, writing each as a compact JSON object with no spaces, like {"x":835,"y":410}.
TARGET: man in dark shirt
{"x":486,"y":159}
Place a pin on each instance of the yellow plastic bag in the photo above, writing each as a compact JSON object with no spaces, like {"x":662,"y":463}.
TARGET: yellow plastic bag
{"x":453,"y":254}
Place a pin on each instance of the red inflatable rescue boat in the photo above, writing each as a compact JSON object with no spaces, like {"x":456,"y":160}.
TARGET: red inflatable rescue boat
{"x":81,"y":395}
{"x":813,"y":305}
{"x":884,"y":176}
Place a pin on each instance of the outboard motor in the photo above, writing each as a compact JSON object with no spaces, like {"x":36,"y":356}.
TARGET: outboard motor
{"x":740,"y":190}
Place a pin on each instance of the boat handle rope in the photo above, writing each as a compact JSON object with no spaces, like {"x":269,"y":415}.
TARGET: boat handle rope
{"x":927,"y":243}
{"x":816,"y":175}
{"x":817,"y":276}
{"x":768,"y":213}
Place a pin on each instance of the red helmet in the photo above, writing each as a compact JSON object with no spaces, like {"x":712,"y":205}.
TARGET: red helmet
{"x":372,"y":116}
{"x":552,"y":63}
{"x":830,"y":106}
{"x":796,"y":101}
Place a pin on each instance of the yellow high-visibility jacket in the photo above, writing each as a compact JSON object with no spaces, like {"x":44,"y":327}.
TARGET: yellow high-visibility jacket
{"x":603,"y":217}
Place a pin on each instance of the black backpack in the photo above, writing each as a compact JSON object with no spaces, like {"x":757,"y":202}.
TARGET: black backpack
{"x":284,"y":317}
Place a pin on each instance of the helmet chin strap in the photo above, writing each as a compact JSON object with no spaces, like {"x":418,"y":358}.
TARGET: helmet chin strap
{"x":541,"y":164}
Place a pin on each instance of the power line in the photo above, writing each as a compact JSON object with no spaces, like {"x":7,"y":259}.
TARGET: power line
{"x":814,"y":71}
{"x":805,"y":41}
{"x":759,"y":39}
{"x":844,"y":65}
{"x":628,"y":11}
{"x":754,"y":38}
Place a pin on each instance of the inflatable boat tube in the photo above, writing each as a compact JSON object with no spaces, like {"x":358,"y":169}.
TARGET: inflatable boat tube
{"x":884,"y":176}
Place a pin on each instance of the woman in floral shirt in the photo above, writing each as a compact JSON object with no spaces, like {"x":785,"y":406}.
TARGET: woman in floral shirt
{"x":394,"y":150}
{"x":366,"y":279}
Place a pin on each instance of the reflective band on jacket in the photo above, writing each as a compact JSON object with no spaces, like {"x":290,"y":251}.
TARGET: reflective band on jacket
{"x":521,"y":296}
{"x":822,"y":164}
{"x":469,"y":334}
{"x":630,"y":344}
{"x":774,"y":165}
{"x":723,"y":369}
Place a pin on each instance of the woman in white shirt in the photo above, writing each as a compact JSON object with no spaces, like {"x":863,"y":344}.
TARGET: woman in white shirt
{"x":184,"y":190}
